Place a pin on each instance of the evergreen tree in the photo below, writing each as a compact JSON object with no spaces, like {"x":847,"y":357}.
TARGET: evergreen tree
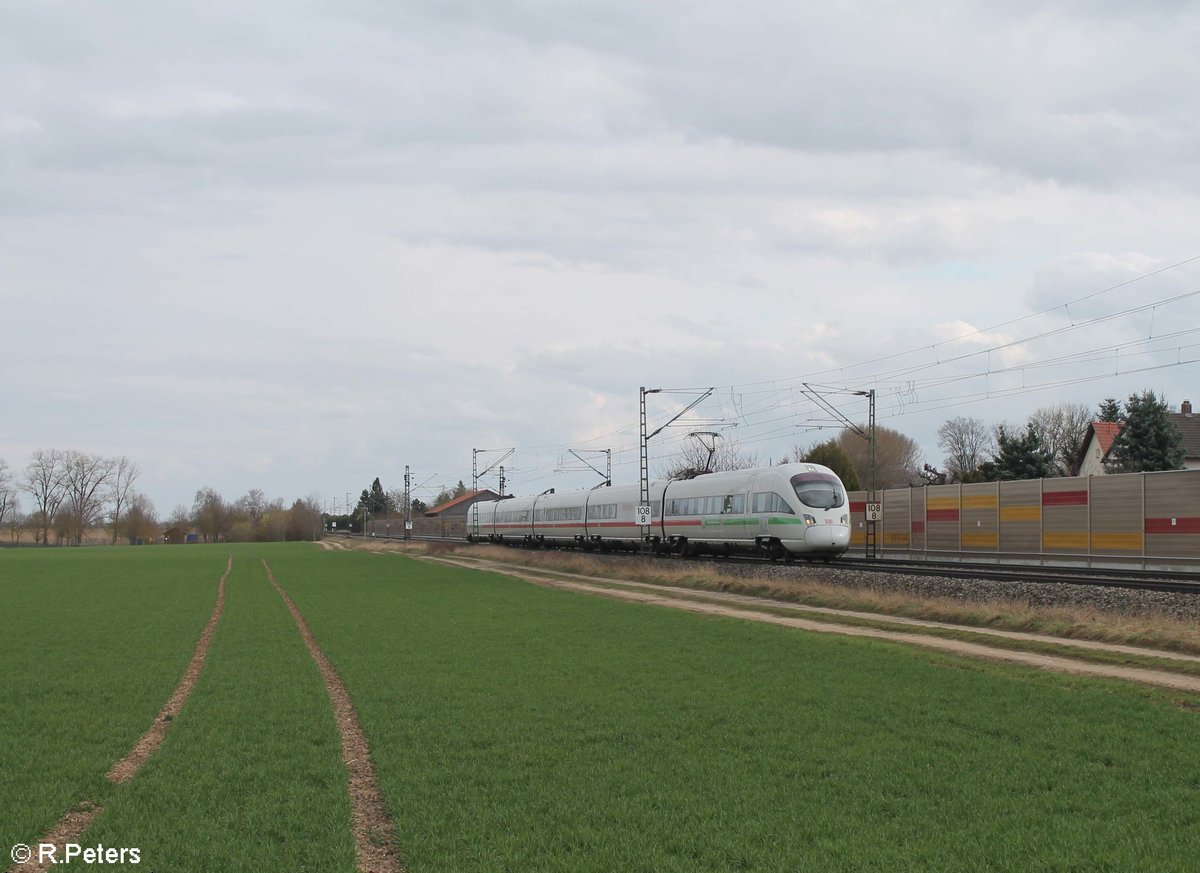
{"x":380,"y":503}
{"x":1110,"y":410}
{"x":831,"y":455}
{"x":374,"y":500}
{"x":1020,"y":457}
{"x":1148,"y":441}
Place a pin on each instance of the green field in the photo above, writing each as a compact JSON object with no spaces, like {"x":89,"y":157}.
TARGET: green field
{"x":520,"y":728}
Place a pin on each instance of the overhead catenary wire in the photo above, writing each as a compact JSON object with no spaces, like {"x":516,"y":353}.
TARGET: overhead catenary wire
{"x":770,"y":410}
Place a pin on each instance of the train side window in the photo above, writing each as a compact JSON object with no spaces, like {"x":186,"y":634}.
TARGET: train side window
{"x":769,"y":501}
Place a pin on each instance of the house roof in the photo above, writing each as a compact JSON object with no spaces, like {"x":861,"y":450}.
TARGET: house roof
{"x":1106,"y":432}
{"x":482,"y":494}
{"x":1188,"y":426}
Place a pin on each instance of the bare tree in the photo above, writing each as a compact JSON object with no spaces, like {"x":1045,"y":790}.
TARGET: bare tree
{"x":180,"y":517}
{"x":9,"y":506}
{"x":1062,"y":428}
{"x":120,"y":489}
{"x":898,"y":459}
{"x":16,"y":524}
{"x":139,"y":521}
{"x":85,"y":482}
{"x":44,"y":483}
{"x":273,"y":523}
{"x":211,"y":514}
{"x":304,"y":519}
{"x":967,"y":443}
{"x":253,"y":504}
{"x":699,"y":455}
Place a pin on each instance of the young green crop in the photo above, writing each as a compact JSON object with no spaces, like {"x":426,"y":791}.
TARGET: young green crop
{"x":516,"y":727}
{"x":92,"y":642}
{"x":250,"y":777}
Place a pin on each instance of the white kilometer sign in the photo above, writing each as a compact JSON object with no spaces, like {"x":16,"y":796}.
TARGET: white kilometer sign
{"x":642,"y":514}
{"x":874,"y":512}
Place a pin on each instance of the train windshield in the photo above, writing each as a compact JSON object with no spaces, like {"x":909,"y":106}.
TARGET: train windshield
{"x":819,"y":490}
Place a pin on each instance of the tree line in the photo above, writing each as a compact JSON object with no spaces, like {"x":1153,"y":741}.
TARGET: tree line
{"x":1047,"y":444}
{"x":249,"y":518}
{"x":1051,"y":442}
{"x":70,"y":493}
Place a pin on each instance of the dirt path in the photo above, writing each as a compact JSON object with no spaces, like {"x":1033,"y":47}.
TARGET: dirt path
{"x":640,"y":592}
{"x":758,"y":602}
{"x":71,"y":826}
{"x":374,"y":834}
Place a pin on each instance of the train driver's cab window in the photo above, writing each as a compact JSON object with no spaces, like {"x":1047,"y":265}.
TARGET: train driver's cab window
{"x":819,"y":490}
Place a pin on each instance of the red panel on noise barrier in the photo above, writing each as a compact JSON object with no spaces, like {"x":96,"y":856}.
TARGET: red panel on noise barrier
{"x":941,"y":515}
{"x":858,"y":506}
{"x":918,"y":527}
{"x":1065,"y":498}
{"x":1181,"y":526}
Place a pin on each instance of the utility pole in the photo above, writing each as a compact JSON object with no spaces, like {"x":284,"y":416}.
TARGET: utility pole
{"x":607,"y":454}
{"x":476,"y":474}
{"x":873,"y":511}
{"x":407,"y":503}
{"x":645,"y":511}
{"x":501,"y":480}
{"x":643,"y":508}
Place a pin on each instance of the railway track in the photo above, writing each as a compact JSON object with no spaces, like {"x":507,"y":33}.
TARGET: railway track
{"x":1145,"y":580}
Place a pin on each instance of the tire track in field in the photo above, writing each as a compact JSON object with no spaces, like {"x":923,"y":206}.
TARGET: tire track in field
{"x":71,"y":826}
{"x":374,"y":832}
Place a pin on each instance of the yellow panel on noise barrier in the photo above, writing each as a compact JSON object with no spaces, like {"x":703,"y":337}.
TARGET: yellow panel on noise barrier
{"x":979,"y":501}
{"x":1020,"y":513}
{"x":1052,"y":541}
{"x":979,"y":540}
{"x":1124,"y":541}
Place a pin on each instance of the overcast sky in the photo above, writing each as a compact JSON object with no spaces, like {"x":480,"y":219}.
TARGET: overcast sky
{"x":297,"y":246}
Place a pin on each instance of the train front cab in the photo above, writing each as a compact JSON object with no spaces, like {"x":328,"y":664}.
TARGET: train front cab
{"x":821,"y":528}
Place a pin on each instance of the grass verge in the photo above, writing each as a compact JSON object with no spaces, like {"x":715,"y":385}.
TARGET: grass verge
{"x":516,"y":727}
{"x":1153,"y":630}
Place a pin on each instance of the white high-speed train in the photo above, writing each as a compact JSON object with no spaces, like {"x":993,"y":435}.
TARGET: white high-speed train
{"x":785,"y":511}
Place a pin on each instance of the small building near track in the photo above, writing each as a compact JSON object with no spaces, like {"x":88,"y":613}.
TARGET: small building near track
{"x":460,"y":505}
